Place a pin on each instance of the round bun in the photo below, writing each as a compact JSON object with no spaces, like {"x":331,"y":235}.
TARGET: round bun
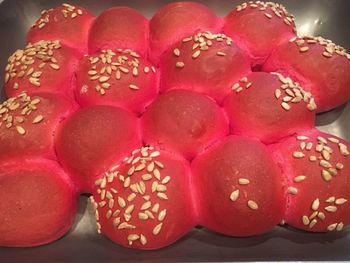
{"x":93,"y":138}
{"x":304,"y":58}
{"x":119,"y":27}
{"x":229,"y":178}
{"x":175,"y":21}
{"x":269,"y":107}
{"x":205,"y":62}
{"x":316,"y":167}
{"x":117,"y":77}
{"x":28,"y":125}
{"x":45,"y":66}
{"x":38,"y":203}
{"x":67,"y":23}
{"x":184,"y":121}
{"x":138,"y":203}
{"x":258,"y":28}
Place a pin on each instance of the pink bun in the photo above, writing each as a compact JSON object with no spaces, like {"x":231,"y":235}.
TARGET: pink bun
{"x":31,"y":70}
{"x":184,"y":121}
{"x":176,"y":21}
{"x":316,"y":167}
{"x":229,"y":179}
{"x":119,"y":27}
{"x":28,"y":124}
{"x":92,"y":138}
{"x":38,"y":203}
{"x":146,"y":202}
{"x":269,"y":107}
{"x":120,"y":78}
{"x":258,"y":28}
{"x":66,"y":23}
{"x":207,"y":63}
{"x":304,"y":59}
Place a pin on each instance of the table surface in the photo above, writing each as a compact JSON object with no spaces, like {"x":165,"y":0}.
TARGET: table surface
{"x":327,"y":18}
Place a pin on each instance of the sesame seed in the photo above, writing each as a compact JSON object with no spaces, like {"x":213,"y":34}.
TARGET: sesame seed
{"x":331,"y":208}
{"x":304,"y":49}
{"x":143,"y":216}
{"x":252,"y":205}
{"x":313,"y":215}
{"x":334,"y":140}
{"x":103,"y":79}
{"x":179,"y":64}
{"x":321,"y":216}
{"x":20,"y":130}
{"x":38,"y":119}
{"x":157,"y":228}
{"x":219,"y":53}
{"x":340,"y":201}
{"x":133,"y":87}
{"x":143,"y":239}
{"x":243,"y":181}
{"x":176,"y":52}
{"x":196,"y":54}
{"x":268,"y":15}
{"x":298,"y":155}
{"x":285,"y":106}
{"x":146,"y":205}
{"x":292,"y":190}
{"x":313,"y":223}
{"x":234,"y":195}
{"x":166,"y":180}
{"x":325,"y":164}
{"x":305,"y":220}
{"x":54,"y":66}
{"x":154,"y":154}
{"x":299,"y":178}
{"x":129,"y":209}
{"x":326,"y":176}
{"x":162,"y":196}
{"x":340,"y":226}
{"x":315,"y":204}
{"x":332,"y":227}
{"x":162,"y":215}
{"x":121,"y":202}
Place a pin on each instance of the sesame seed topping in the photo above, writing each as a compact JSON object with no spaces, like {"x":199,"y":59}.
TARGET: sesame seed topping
{"x":234,"y":195}
{"x":331,"y":209}
{"x":179,"y":64}
{"x":243,"y":181}
{"x":252,"y":205}
{"x":298,"y":155}
{"x":340,"y":201}
{"x":299,"y":178}
{"x":315,"y":204}
{"x":292,"y":190}
{"x":305,"y":220}
{"x":156,"y":230}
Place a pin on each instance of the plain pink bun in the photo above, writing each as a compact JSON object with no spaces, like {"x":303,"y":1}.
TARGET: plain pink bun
{"x":175,"y":21}
{"x":117,"y":77}
{"x":205,"y":62}
{"x":269,"y":107}
{"x":28,"y":125}
{"x":258,"y":28}
{"x":67,"y":23}
{"x":146,"y":202}
{"x":320,"y":66}
{"x":184,"y":121}
{"x":93,"y":138}
{"x":316,"y":167}
{"x":239,"y":188}
{"x":44,"y":66}
{"x":119,"y":27}
{"x":38,"y":203}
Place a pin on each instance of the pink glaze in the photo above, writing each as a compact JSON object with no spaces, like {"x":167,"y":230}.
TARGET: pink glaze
{"x":184,"y":121}
{"x":216,"y":175}
{"x":67,"y":23}
{"x":119,"y":27}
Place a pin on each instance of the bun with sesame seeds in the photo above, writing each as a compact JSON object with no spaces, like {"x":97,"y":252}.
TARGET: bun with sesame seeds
{"x":175,"y":21}
{"x":38,"y":203}
{"x":92,"y":138}
{"x":259,"y":27}
{"x":319,"y":65}
{"x":28,"y":125}
{"x":117,"y":77}
{"x":67,"y":23}
{"x":183,"y":121}
{"x":269,"y":107}
{"x":239,"y":188}
{"x":145,"y":202}
{"x":316,"y":167}
{"x":44,"y":66}
{"x":119,"y":27}
{"x":205,"y":62}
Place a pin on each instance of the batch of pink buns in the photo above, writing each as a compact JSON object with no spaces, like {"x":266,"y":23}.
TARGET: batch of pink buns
{"x":183,"y":120}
